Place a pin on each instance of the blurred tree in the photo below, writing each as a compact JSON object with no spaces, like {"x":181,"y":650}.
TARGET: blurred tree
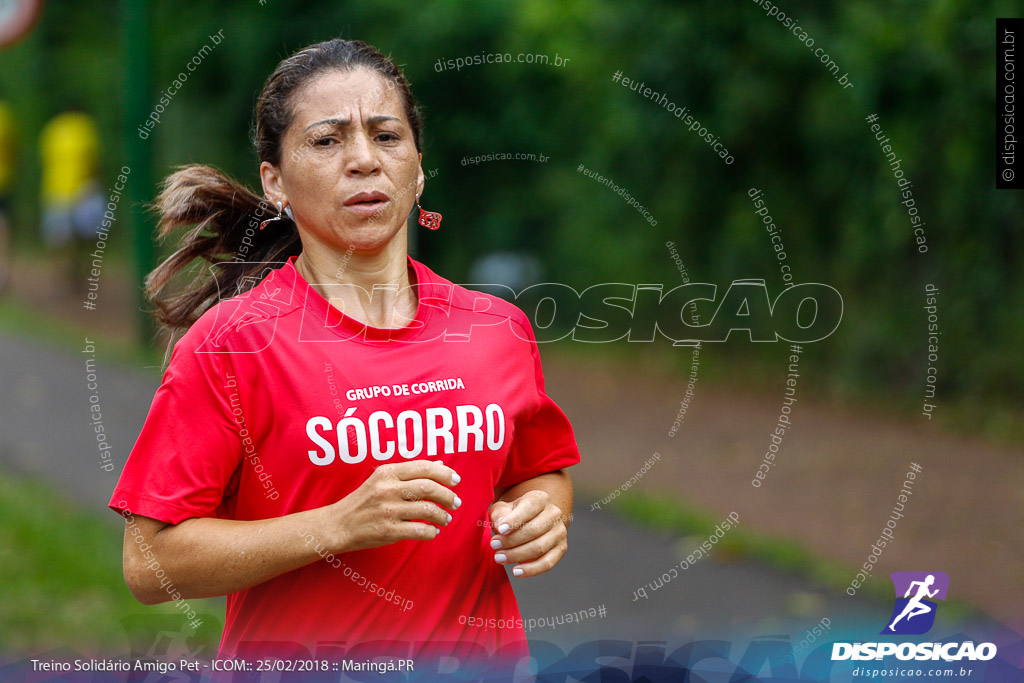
{"x":925,"y":68}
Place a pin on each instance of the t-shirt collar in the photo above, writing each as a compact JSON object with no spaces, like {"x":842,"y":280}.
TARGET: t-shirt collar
{"x":331,"y":317}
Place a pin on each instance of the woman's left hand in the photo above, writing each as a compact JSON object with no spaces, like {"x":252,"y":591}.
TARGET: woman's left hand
{"x":529,"y":532}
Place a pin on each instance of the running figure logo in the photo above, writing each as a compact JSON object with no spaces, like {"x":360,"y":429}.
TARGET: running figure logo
{"x":914,"y":613}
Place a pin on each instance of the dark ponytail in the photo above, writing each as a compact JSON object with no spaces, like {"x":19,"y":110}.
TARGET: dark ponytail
{"x":226,"y":214}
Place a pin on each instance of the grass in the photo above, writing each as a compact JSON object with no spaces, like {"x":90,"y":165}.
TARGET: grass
{"x":60,"y":568}
{"x":662,"y":512}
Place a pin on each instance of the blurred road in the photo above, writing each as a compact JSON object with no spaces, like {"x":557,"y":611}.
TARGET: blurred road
{"x":46,"y":432}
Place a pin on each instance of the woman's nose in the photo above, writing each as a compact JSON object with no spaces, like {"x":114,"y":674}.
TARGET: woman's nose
{"x":361,"y":156}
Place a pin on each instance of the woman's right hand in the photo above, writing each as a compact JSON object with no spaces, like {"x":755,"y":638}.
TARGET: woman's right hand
{"x":401,"y":501}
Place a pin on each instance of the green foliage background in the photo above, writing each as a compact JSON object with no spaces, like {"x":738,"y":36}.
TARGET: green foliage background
{"x":925,"y":67}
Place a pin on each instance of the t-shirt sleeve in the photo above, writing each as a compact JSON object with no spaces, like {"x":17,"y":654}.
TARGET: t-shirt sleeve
{"x":189,"y":447}
{"x":545,"y":441}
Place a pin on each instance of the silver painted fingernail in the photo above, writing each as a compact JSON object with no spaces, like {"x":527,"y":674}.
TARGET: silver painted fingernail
{"x":500,"y":557}
{"x":503,"y":529}
{"x":495,"y":543}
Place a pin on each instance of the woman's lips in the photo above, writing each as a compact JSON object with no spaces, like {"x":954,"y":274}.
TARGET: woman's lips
{"x":367,"y":208}
{"x":367,"y":203}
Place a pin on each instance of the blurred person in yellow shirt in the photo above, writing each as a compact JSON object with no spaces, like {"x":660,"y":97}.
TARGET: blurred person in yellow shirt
{"x":72,"y":202}
{"x":7,"y":141}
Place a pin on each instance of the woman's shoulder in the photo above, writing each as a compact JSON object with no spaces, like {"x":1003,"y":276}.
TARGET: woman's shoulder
{"x":484,"y":304}
{"x":236,"y":323}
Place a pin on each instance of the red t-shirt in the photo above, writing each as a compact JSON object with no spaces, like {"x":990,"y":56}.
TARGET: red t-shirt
{"x":245,"y":426}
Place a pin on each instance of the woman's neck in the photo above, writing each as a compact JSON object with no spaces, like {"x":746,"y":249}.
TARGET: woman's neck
{"x":375,"y":289}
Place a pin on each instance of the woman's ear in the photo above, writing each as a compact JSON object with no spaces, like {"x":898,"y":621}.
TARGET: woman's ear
{"x":270,"y":177}
{"x":420,"y":178}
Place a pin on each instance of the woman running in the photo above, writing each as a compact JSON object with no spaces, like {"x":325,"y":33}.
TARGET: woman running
{"x":915,"y":606}
{"x":348,"y":446}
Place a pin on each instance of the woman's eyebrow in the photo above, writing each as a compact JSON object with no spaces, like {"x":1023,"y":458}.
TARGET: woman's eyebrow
{"x":373,"y":120}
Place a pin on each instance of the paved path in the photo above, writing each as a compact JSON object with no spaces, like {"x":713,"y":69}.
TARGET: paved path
{"x":833,"y":485}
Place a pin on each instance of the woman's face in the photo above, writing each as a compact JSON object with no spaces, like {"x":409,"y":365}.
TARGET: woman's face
{"x":349,"y":166}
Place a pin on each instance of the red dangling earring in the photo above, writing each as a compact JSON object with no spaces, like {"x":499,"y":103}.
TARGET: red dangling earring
{"x":278,"y":217}
{"x":428,"y":219}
